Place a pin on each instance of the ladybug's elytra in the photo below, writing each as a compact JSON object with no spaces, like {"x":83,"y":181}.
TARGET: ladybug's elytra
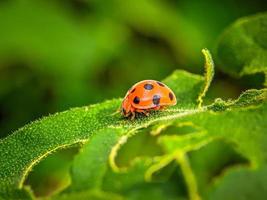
{"x":145,"y":96}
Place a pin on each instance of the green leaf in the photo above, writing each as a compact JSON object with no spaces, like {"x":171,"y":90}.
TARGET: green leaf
{"x":240,"y":183}
{"x":241,"y":49}
{"x":253,"y":148}
{"x":212,"y":161}
{"x":178,"y":146}
{"x":209,"y":73}
{"x":181,"y":82}
{"x":94,"y":158}
{"x":23,"y":149}
{"x":184,"y":143}
{"x":178,"y":130}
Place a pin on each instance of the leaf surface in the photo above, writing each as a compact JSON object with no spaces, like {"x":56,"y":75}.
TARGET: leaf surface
{"x":242,"y":48}
{"x":23,"y":149}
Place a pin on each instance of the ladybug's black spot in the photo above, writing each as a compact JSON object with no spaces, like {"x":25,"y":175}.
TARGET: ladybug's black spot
{"x":133,"y":90}
{"x":156,"y":99}
{"x":161,"y":84}
{"x":136,"y":100}
{"x":148,"y":86}
{"x":171,"y":96}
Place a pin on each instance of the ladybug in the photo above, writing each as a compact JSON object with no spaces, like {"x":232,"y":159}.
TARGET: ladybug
{"x":145,"y":96}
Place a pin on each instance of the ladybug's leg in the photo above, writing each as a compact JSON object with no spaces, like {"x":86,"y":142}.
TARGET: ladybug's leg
{"x":133,"y":115}
{"x":145,"y":112}
{"x":157,"y":108}
{"x":132,"y":111}
{"x":163,"y":107}
{"x":128,"y":114}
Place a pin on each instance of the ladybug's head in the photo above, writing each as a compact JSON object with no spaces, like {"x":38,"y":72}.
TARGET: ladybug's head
{"x":125,"y":107}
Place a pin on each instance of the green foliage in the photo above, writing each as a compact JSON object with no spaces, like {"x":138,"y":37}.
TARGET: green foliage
{"x":75,"y":126}
{"x":188,"y":151}
{"x":99,"y":171}
{"x":242,"y":47}
{"x":209,"y":70}
{"x":93,"y":160}
{"x":60,"y":54}
{"x":235,"y":185}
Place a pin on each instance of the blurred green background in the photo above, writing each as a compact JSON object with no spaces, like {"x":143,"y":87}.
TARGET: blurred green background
{"x":57,"y":54}
{"x":60,"y":54}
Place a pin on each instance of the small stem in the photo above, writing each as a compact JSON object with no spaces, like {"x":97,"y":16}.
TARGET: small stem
{"x":189,"y":177}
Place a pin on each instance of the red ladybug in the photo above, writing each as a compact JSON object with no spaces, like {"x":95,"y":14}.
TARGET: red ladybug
{"x":145,"y":96}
